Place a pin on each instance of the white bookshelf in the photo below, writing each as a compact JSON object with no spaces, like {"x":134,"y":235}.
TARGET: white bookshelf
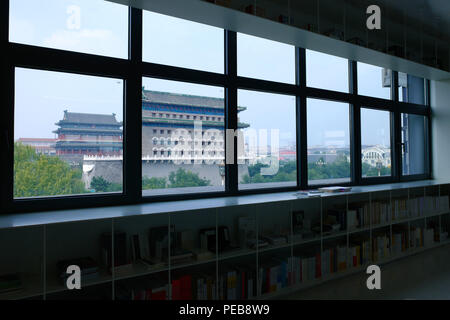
{"x":41,"y":283}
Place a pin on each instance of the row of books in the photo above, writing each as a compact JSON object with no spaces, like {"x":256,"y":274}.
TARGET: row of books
{"x":380,"y":247}
{"x":240,"y":282}
{"x":361,"y":217}
{"x":420,"y":206}
{"x":359,"y":253}
{"x":379,"y":212}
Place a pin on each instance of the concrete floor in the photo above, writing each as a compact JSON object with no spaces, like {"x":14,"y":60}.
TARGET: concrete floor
{"x":425,"y":275}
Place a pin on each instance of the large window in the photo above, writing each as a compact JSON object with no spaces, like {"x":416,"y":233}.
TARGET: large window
{"x":68,"y":134}
{"x":328,"y":142}
{"x":182,"y":137}
{"x":268,"y":156}
{"x":126,"y":118}
{"x":88,"y":26}
{"x":375,"y":143}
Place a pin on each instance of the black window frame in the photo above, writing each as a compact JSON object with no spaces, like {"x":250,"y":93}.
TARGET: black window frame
{"x":133,"y":69}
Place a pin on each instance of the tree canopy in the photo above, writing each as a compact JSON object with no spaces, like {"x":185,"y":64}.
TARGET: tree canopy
{"x":177,"y":179}
{"x":42,"y":175}
{"x":316,"y":171}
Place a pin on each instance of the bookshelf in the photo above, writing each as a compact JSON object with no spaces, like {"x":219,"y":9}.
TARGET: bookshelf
{"x":248,"y":250}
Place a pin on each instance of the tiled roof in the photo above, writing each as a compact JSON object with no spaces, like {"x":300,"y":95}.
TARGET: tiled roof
{"x":182,"y":99}
{"x":90,"y":118}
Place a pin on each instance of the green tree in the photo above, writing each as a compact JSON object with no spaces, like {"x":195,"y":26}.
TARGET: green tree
{"x":182,"y":178}
{"x":153,"y":183}
{"x":99,"y":184}
{"x":41,"y":175}
{"x":286,"y":172}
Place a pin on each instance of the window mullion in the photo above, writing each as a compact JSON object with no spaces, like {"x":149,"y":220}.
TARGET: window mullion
{"x":396,"y":131}
{"x":133,"y":111}
{"x":301,"y":130}
{"x":355,"y":126}
{"x":231,"y":119}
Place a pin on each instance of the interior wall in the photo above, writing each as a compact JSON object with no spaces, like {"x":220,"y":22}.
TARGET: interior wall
{"x":440,"y":104}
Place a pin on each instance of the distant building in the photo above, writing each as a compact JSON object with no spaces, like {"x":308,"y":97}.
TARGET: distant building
{"x":82,"y":134}
{"x":41,"y":145}
{"x":377,"y":155}
{"x":171,"y":127}
{"x":288,"y":155}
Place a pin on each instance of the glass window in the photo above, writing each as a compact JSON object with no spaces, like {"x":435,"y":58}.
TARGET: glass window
{"x":265,"y":59}
{"x":328,"y":142}
{"x":184,"y":167}
{"x":182,"y":43}
{"x":375,"y":143}
{"x":411,"y":89}
{"x":267,"y":153}
{"x":68,"y":134}
{"x":374,"y":81}
{"x":413,"y":143}
{"x":89,"y":26}
{"x":325,"y":71}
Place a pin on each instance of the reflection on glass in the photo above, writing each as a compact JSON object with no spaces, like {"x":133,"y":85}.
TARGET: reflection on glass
{"x":413,"y":144}
{"x":68,"y":134}
{"x":182,"y":137}
{"x":328,"y":142}
{"x":265,"y":59}
{"x":89,"y":26}
{"x":411,"y":89}
{"x":326,"y":71}
{"x":375,"y":143}
{"x":374,"y":81}
{"x":182,"y":43}
{"x":267,"y":157}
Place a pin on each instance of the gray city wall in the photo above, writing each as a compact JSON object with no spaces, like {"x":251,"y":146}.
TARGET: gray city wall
{"x":112,"y":171}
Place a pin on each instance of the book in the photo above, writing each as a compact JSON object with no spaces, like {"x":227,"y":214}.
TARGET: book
{"x":335,"y":189}
{"x":159,"y":242}
{"x":120,"y":248}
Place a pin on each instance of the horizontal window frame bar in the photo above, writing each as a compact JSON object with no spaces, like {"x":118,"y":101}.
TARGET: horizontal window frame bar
{"x":377,"y":180}
{"x":172,"y":73}
{"x":47,"y":59}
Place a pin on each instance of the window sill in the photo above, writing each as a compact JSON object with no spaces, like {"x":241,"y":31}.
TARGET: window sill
{"x":116,"y":212}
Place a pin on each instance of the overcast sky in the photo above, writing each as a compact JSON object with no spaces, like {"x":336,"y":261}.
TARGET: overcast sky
{"x":99,"y":27}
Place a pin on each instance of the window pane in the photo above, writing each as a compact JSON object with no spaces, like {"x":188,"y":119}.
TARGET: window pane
{"x":182,"y":138}
{"x":265,"y":59}
{"x":328,"y":142}
{"x":374,"y":81}
{"x":375,"y":143}
{"x":89,"y":26}
{"x":413,"y":139}
{"x":326,"y":71}
{"x":182,"y":43}
{"x":411,"y":89}
{"x":68,"y":134}
{"x":267,"y":157}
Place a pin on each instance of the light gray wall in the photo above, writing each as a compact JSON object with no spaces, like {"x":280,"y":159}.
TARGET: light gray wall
{"x":440,"y":104}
